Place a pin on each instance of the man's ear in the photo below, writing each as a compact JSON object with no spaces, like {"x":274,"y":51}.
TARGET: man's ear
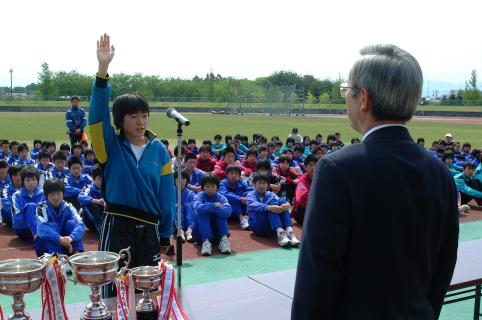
{"x":366,"y":101}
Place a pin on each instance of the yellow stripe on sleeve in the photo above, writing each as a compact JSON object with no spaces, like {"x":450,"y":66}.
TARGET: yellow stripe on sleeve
{"x":97,"y":137}
{"x":167,"y":169}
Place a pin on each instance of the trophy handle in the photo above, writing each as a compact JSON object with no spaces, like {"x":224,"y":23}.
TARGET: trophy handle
{"x":125,"y":254}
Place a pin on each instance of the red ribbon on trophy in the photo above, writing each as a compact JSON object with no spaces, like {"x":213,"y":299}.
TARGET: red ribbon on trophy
{"x":167,"y":302}
{"x":53,"y":292}
{"x":125,"y":307}
{"x":1,"y":313}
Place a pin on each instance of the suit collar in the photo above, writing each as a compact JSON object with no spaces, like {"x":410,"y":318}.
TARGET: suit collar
{"x":392,"y":132}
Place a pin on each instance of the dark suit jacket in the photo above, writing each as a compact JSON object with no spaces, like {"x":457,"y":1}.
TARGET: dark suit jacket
{"x":380,"y":234}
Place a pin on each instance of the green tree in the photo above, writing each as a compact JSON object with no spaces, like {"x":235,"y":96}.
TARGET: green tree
{"x":471,"y":91}
{"x":46,"y":87}
{"x":335,"y":91}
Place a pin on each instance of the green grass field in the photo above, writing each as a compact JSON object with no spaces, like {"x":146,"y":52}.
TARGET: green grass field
{"x":24,"y":127}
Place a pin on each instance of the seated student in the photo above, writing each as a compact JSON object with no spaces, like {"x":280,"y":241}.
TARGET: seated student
{"x":468,"y":186}
{"x":293,"y":164}
{"x":13,"y":156}
{"x":250,"y":162}
{"x":50,"y":146}
{"x":44,"y":167}
{"x":76,"y":180}
{"x":271,"y":148}
{"x":263,"y":153}
{"x":277,"y":148}
{"x":466,"y":148}
{"x":59,"y":171}
{"x":179,"y":157}
{"x":211,"y":214}
{"x":4,"y":149}
{"x":24,"y":202}
{"x":448,"y":159}
{"x":191,"y":146}
{"x":7,"y":193}
{"x":89,"y":162}
{"x":166,"y":144}
{"x":290,"y":174}
{"x":235,"y":190}
{"x":239,"y":155}
{"x":4,"y":178}
{"x":474,"y":157}
{"x":290,"y":142}
{"x":23,"y":159}
{"x":354,"y":140}
{"x":334,"y":146}
{"x":338,"y":140}
{"x":298,"y":157}
{"x":59,"y":227}
{"x":311,"y":147}
{"x":228,"y":159}
{"x":303,"y":189}
{"x":276,"y":184}
{"x":194,"y":174}
{"x":205,"y":161}
{"x":275,"y":139}
{"x":76,"y":151}
{"x":187,"y":211}
{"x":218,"y":147}
{"x":269,"y":214}
{"x":435,"y":146}
{"x":420,"y":142}
{"x":65,"y":148}
{"x":37,"y":147}
{"x":85,"y":145}
{"x":92,"y":202}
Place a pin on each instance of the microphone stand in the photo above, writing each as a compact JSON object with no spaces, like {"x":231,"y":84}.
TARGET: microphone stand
{"x":179,"y":204}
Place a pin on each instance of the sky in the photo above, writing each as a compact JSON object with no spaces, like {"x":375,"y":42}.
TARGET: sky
{"x":243,"y":39}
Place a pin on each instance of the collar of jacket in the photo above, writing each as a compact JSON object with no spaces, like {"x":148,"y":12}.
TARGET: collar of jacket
{"x":389,"y":133}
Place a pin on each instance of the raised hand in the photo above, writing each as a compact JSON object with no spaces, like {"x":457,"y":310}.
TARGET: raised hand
{"x":105,"y":54}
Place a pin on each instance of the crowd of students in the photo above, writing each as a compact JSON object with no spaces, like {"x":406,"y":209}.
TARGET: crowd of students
{"x":49,"y":197}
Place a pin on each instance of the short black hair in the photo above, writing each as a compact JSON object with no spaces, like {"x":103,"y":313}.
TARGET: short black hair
{"x":263,"y":148}
{"x":299,"y":147}
{"x":183,"y":150}
{"x":282,"y":158}
{"x":22,"y":147}
{"x":97,"y":171}
{"x":49,"y":143}
{"x":89,"y":151}
{"x":191,"y":140}
{"x":311,"y":159}
{"x":260,"y":177}
{"x":420,"y":139}
{"x":75,"y":98}
{"x":74,"y":160}
{"x":184,"y":175}
{"x":466,"y":145}
{"x":274,"y":138}
{"x":448,"y":154}
{"x":355,"y":140}
{"x":469,"y":165}
{"x":190,"y":156}
{"x":84,"y":142}
{"x":3,"y":164}
{"x":227,"y":138}
{"x":29,"y":172}
{"x":44,"y":154}
{"x":205,"y":148}
{"x":330,"y":137}
{"x":475,"y":153}
{"x":53,"y":185}
{"x":295,"y":130}
{"x":76,"y":146}
{"x":218,"y":137}
{"x":127,"y":104}
{"x":13,"y":143}
{"x":64,"y":146}
{"x":165,"y":142}
{"x":313,"y":142}
{"x":290,"y":139}
{"x":207,"y":143}
{"x":210,"y":178}
{"x":59,"y":155}
{"x":318,"y":135}
{"x":5,"y":142}
{"x":35,"y":141}
{"x":251,"y":153}
{"x":233,"y":167}
{"x":14,"y":170}
{"x":263,"y":164}
{"x":227,"y":150}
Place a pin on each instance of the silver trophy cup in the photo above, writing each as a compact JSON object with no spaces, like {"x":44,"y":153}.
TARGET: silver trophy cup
{"x":18,"y":277}
{"x":95,"y":269}
{"x":146,"y":278}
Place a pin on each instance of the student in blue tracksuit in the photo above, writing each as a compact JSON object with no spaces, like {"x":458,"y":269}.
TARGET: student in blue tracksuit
{"x":468,"y":186}
{"x":138,"y":182}
{"x":37,"y":147}
{"x":13,"y":156}
{"x":75,"y":120}
{"x":76,"y":181}
{"x":235,"y":190}
{"x":44,"y":167}
{"x":187,"y":211}
{"x":195,"y":174}
{"x":212,"y":211}
{"x":448,"y":158}
{"x":23,"y":159}
{"x":59,"y":227}
{"x":4,"y":149}
{"x":89,"y":162}
{"x":269,"y":214}
{"x":7,"y":193}
{"x":4,"y":178}
{"x":59,"y":171}
{"x":92,"y":201}
{"x":24,"y":202}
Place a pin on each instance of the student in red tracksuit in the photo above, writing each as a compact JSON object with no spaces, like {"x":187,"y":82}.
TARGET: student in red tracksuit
{"x":228,"y":159}
{"x":284,"y":170}
{"x":205,"y":161}
{"x":250,"y":161}
{"x":303,"y":189}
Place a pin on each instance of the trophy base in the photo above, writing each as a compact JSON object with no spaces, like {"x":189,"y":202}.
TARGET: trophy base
{"x":20,"y":316}
{"x":149,"y":315}
{"x":96,"y":311}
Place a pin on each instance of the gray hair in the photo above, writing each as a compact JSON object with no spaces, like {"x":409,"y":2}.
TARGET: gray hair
{"x":392,"y":78}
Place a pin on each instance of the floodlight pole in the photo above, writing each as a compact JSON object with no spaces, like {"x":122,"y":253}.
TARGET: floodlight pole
{"x":11,"y":84}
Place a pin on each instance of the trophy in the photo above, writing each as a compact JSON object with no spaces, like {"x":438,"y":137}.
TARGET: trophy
{"x":146,"y":278}
{"x":95,"y":269}
{"x":18,"y":277}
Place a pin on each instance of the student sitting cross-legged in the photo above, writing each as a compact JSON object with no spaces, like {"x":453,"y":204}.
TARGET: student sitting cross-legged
{"x":212,"y":211}
{"x":235,"y":190}
{"x":24,"y":202}
{"x":75,"y":181}
{"x":92,"y":202}
{"x":7,"y":193}
{"x":59,"y":227}
{"x":269,"y":214}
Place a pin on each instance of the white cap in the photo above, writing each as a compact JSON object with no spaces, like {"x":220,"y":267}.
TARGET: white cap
{"x":448,"y":134}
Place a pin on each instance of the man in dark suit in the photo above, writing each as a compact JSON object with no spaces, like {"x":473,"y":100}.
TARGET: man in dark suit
{"x":381,"y":227}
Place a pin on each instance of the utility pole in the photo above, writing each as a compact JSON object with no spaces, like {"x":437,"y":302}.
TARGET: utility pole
{"x":11,"y":86}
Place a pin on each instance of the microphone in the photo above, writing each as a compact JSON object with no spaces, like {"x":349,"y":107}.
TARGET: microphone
{"x":173,"y":114}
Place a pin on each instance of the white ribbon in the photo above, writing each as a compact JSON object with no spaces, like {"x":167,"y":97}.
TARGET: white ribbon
{"x":53,"y":292}
{"x":168,"y":300}
{"x":126,"y":298}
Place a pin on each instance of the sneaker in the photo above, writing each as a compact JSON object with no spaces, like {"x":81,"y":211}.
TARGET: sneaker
{"x":293,"y":240}
{"x":183,"y":236}
{"x":464,"y":208}
{"x":188,"y":235}
{"x":225,"y":246}
{"x":244,"y":223}
{"x":283,"y":239}
{"x":207,"y":248}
